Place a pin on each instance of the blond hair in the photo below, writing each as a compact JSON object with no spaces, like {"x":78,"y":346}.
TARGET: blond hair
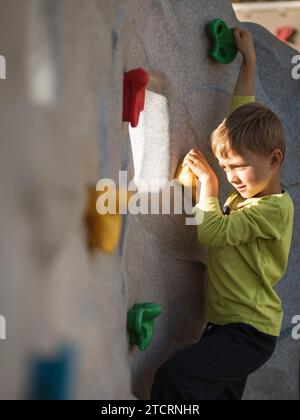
{"x":251,"y":127}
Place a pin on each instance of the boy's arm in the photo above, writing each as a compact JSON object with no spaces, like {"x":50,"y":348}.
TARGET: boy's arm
{"x":243,"y":94}
{"x":240,"y":227}
{"x":245,"y":87}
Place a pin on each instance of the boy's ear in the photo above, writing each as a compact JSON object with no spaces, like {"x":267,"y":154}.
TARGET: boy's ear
{"x":276,"y":158}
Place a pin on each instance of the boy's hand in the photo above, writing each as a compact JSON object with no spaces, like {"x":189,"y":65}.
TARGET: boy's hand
{"x":199,"y":165}
{"x":246,"y":81}
{"x":245,"y":44}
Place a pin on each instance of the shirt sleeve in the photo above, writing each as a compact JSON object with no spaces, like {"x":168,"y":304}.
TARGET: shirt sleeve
{"x":261,"y":220}
{"x":238,"y":101}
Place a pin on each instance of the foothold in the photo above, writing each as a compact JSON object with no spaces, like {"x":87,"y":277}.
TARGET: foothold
{"x":224,"y":48}
{"x":104,"y":231}
{"x":135,"y":82}
{"x":140,"y":324}
{"x":51,"y":377}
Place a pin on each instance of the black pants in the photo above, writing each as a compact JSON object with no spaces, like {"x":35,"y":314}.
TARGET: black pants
{"x":217,"y":367}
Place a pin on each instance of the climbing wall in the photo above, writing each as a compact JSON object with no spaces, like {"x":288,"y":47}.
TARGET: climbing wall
{"x":66,"y":302}
{"x":187,"y":97}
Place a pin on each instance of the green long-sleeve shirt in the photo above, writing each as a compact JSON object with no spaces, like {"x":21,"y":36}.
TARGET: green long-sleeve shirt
{"x":248,"y":256}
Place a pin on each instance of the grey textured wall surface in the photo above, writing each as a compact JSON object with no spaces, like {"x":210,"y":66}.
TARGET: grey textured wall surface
{"x":59,"y":103}
{"x":62,"y":130}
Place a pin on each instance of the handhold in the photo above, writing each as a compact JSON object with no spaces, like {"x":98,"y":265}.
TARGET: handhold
{"x":224,"y":48}
{"x":51,"y":377}
{"x":285,"y":33}
{"x":188,"y":179}
{"x":104,"y":231}
{"x":135,"y":82}
{"x":185,"y":176}
{"x":140,"y":324}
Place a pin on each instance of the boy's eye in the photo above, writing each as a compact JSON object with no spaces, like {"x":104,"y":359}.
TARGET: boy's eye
{"x":235,"y":167}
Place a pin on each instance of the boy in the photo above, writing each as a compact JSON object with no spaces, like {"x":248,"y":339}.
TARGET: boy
{"x":249,"y":245}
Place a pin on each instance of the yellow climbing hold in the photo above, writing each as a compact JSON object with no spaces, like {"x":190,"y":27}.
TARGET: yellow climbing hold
{"x":186,"y":176}
{"x":104,"y":231}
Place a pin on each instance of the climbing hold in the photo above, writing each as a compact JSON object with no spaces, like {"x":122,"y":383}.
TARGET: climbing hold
{"x":185,"y":176}
{"x":286,"y":33}
{"x":140,"y":324}
{"x":104,"y":230}
{"x":51,"y":377}
{"x":135,"y":82}
{"x":224,"y":48}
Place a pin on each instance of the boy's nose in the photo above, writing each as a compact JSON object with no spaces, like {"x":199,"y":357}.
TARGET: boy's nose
{"x":233,"y":179}
{"x":230,"y":176}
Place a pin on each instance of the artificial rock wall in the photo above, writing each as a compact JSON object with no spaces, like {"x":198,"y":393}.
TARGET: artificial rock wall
{"x":62,"y":131}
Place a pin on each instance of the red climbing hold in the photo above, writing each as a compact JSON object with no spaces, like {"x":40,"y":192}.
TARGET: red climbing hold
{"x":285,"y":33}
{"x":135,"y":82}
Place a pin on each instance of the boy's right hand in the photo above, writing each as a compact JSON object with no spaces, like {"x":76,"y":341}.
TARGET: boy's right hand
{"x":245,"y":44}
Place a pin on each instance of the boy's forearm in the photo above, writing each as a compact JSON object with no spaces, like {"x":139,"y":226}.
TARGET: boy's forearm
{"x":209,"y":188}
{"x":246,"y":82}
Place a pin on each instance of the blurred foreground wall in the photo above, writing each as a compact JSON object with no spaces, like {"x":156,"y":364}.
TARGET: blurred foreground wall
{"x":61,"y":132}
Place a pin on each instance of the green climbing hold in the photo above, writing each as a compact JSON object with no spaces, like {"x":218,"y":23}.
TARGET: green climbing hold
{"x":140,"y":324}
{"x":224,"y":48}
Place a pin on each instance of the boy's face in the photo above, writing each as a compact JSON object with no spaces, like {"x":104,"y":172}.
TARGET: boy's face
{"x":249,"y":173}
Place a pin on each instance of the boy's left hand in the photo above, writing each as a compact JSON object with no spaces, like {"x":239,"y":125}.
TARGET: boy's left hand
{"x":199,"y":165}
{"x":245,"y":43}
